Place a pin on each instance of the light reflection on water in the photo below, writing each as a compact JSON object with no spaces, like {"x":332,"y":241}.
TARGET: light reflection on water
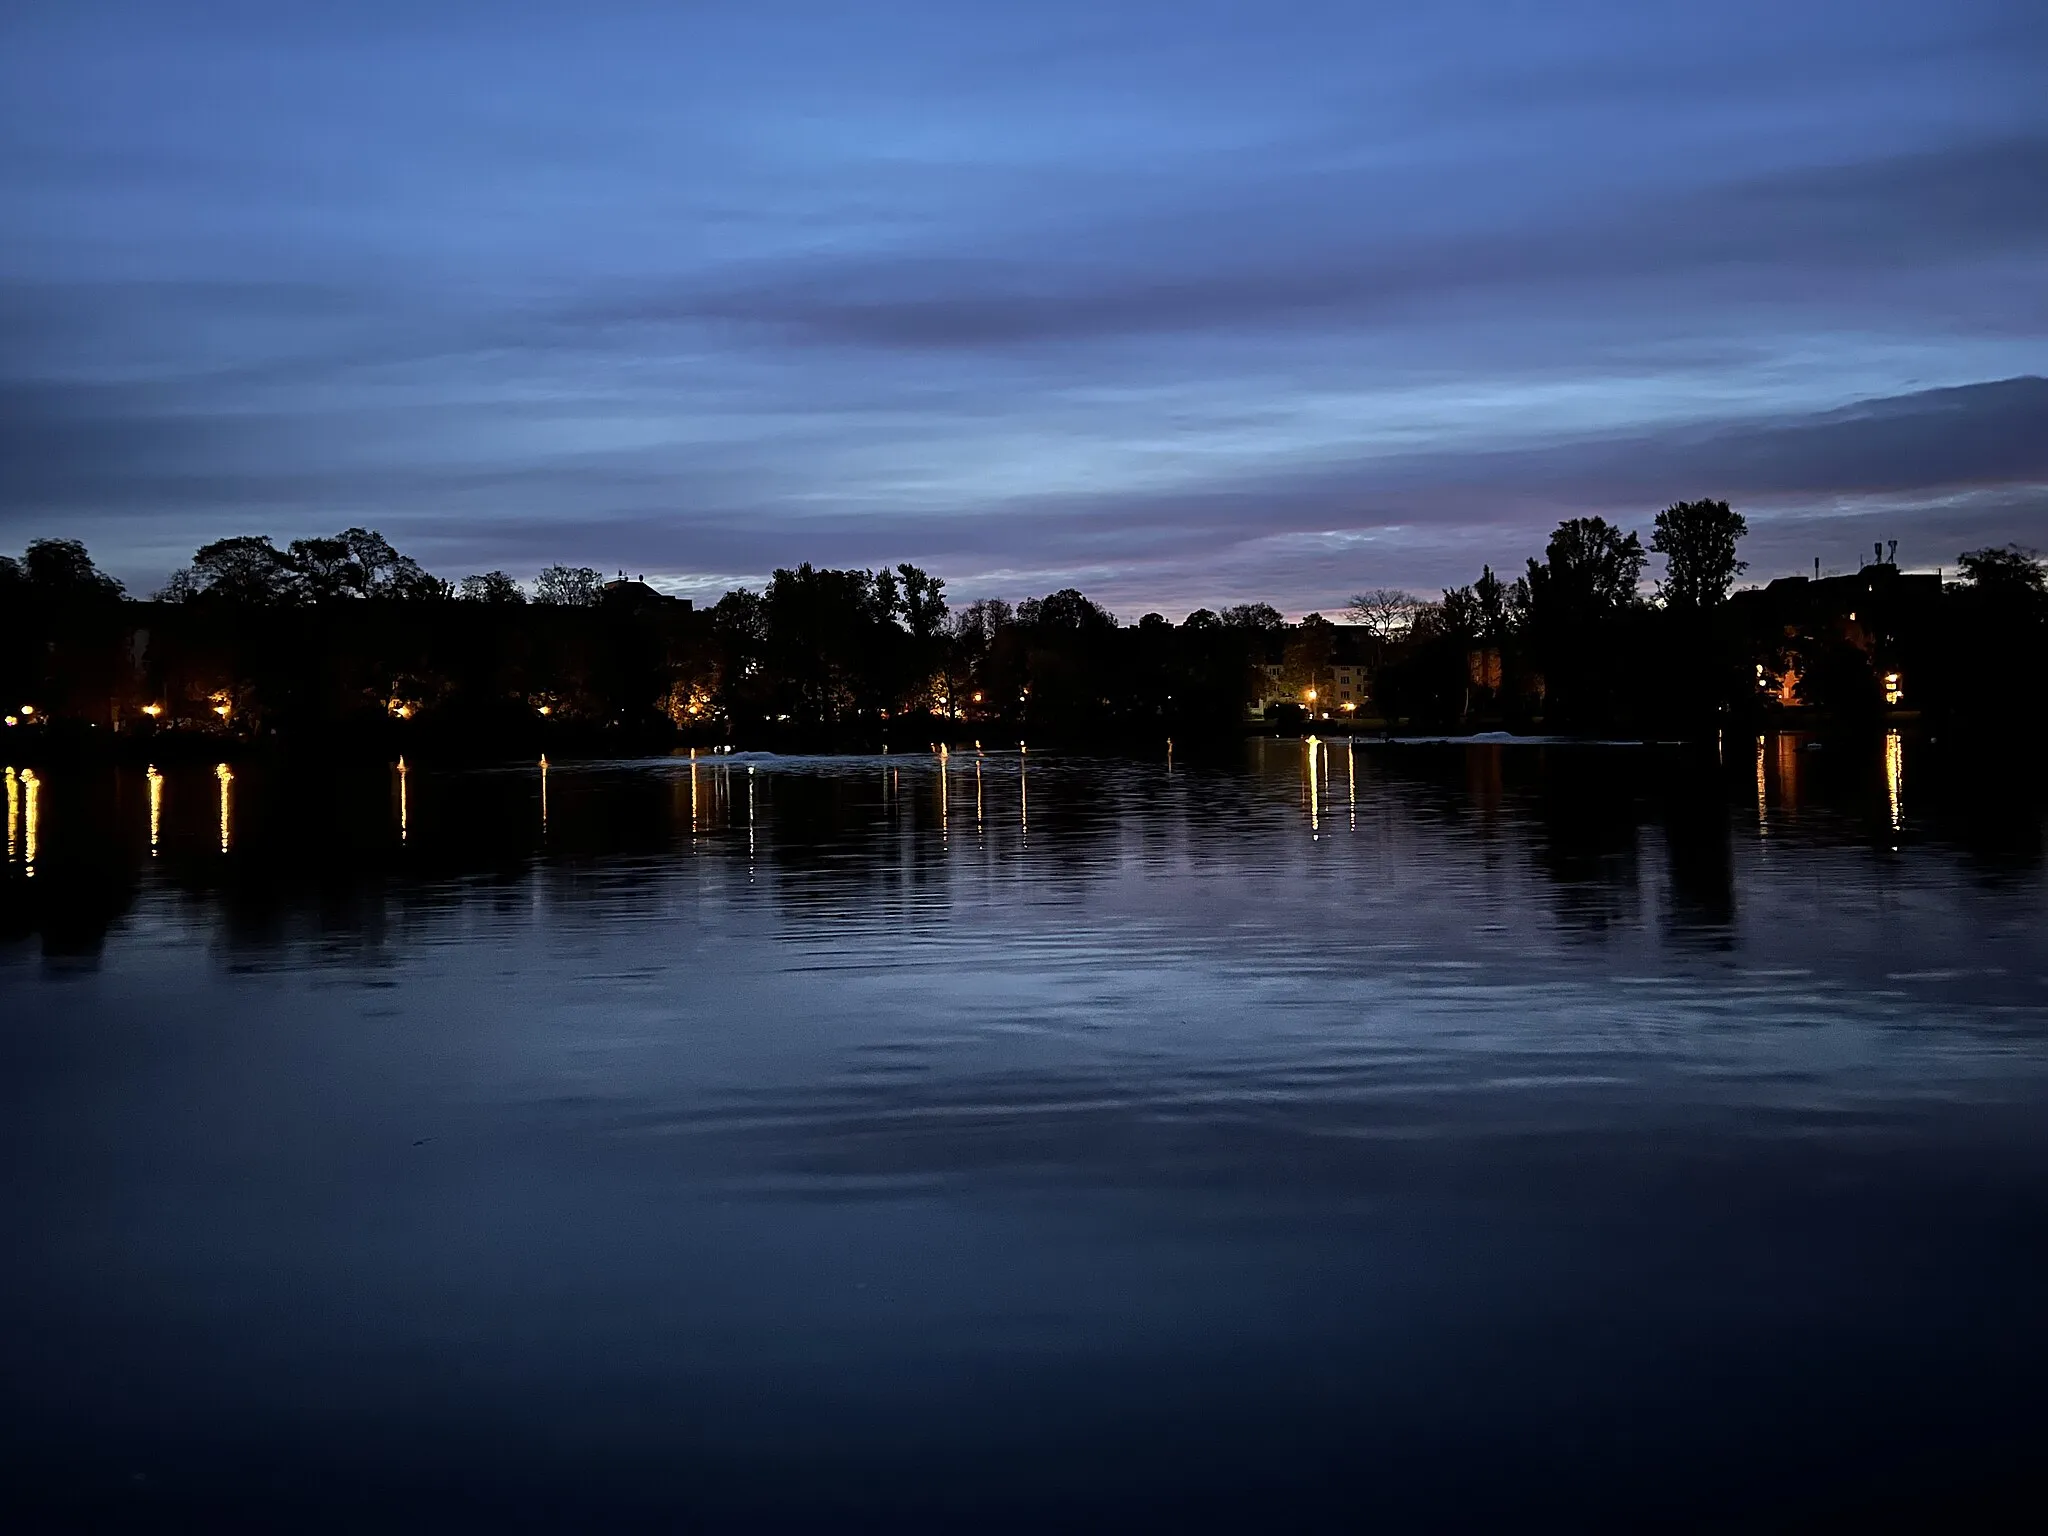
{"x":1170,"y":1129}
{"x":226,"y":778}
{"x":31,"y":817}
{"x":1894,"y":778}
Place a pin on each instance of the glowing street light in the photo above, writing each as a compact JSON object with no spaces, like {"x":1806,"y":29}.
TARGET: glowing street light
{"x":152,"y":710}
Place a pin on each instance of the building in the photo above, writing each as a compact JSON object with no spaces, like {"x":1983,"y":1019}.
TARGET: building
{"x":1796,"y":622}
{"x":635,"y":594}
{"x":1334,"y":692}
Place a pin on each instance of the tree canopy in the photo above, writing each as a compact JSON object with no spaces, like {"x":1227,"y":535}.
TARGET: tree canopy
{"x":491,"y":587}
{"x":57,"y":570}
{"x":569,"y":586}
{"x":1590,"y":570}
{"x":2012,"y":574}
{"x":1255,"y":616}
{"x":1697,"y":540}
{"x":249,"y":570}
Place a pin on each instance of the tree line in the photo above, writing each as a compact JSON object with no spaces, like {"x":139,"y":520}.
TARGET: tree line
{"x":347,"y":633}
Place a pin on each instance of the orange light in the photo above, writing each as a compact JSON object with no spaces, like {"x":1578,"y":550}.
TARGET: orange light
{"x":152,"y":710}
{"x":223,"y":710}
{"x":977,"y":698}
{"x":1310,"y":695}
{"x":27,"y":710}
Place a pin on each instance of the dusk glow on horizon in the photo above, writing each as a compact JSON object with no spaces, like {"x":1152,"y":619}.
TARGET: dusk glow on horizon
{"x":1181,"y":304}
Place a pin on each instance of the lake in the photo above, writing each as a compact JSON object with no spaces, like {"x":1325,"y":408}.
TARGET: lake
{"x":1403,"y":1136}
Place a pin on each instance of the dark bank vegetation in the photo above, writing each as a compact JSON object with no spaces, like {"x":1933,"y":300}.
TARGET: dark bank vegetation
{"x":346,"y":639}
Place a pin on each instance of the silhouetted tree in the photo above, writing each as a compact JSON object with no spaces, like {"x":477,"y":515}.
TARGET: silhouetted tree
{"x":2012,"y":579}
{"x":924,"y":603}
{"x":491,"y":587}
{"x":60,"y":570}
{"x":1697,"y":540}
{"x":1501,"y":607}
{"x":1583,"y":596}
{"x":327,"y":568}
{"x":250,"y":571}
{"x":1590,"y":571}
{"x":569,"y":586}
{"x":1253,"y":616}
{"x":1991,"y":661}
{"x":985,"y":657}
{"x":360,"y":563}
{"x":1068,"y":611}
{"x":831,"y":641}
{"x":1384,"y":613}
{"x":1070,"y":662}
{"x":245,"y":571}
{"x":340,"y":633}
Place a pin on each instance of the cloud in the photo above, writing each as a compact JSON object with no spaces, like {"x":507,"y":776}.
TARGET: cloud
{"x":1163,"y":302}
{"x":1953,"y":467}
{"x":1268,"y":259}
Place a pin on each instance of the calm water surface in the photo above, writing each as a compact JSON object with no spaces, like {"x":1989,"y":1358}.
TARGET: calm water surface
{"x":1412,"y":1137}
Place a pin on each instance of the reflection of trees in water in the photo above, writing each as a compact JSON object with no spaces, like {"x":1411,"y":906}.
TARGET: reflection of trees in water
{"x":1586,"y":834}
{"x":1699,"y":851}
{"x":1992,"y":812}
{"x":1579,"y":816}
{"x":318,"y":868}
{"x":69,"y":878}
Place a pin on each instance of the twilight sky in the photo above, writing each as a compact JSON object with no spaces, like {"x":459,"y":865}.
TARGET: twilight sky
{"x":1181,"y":302}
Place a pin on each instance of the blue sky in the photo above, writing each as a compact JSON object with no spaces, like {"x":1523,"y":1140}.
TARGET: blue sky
{"x":1181,"y":303}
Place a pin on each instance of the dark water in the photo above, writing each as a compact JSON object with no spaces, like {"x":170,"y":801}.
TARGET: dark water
{"x":1447,"y":1138}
